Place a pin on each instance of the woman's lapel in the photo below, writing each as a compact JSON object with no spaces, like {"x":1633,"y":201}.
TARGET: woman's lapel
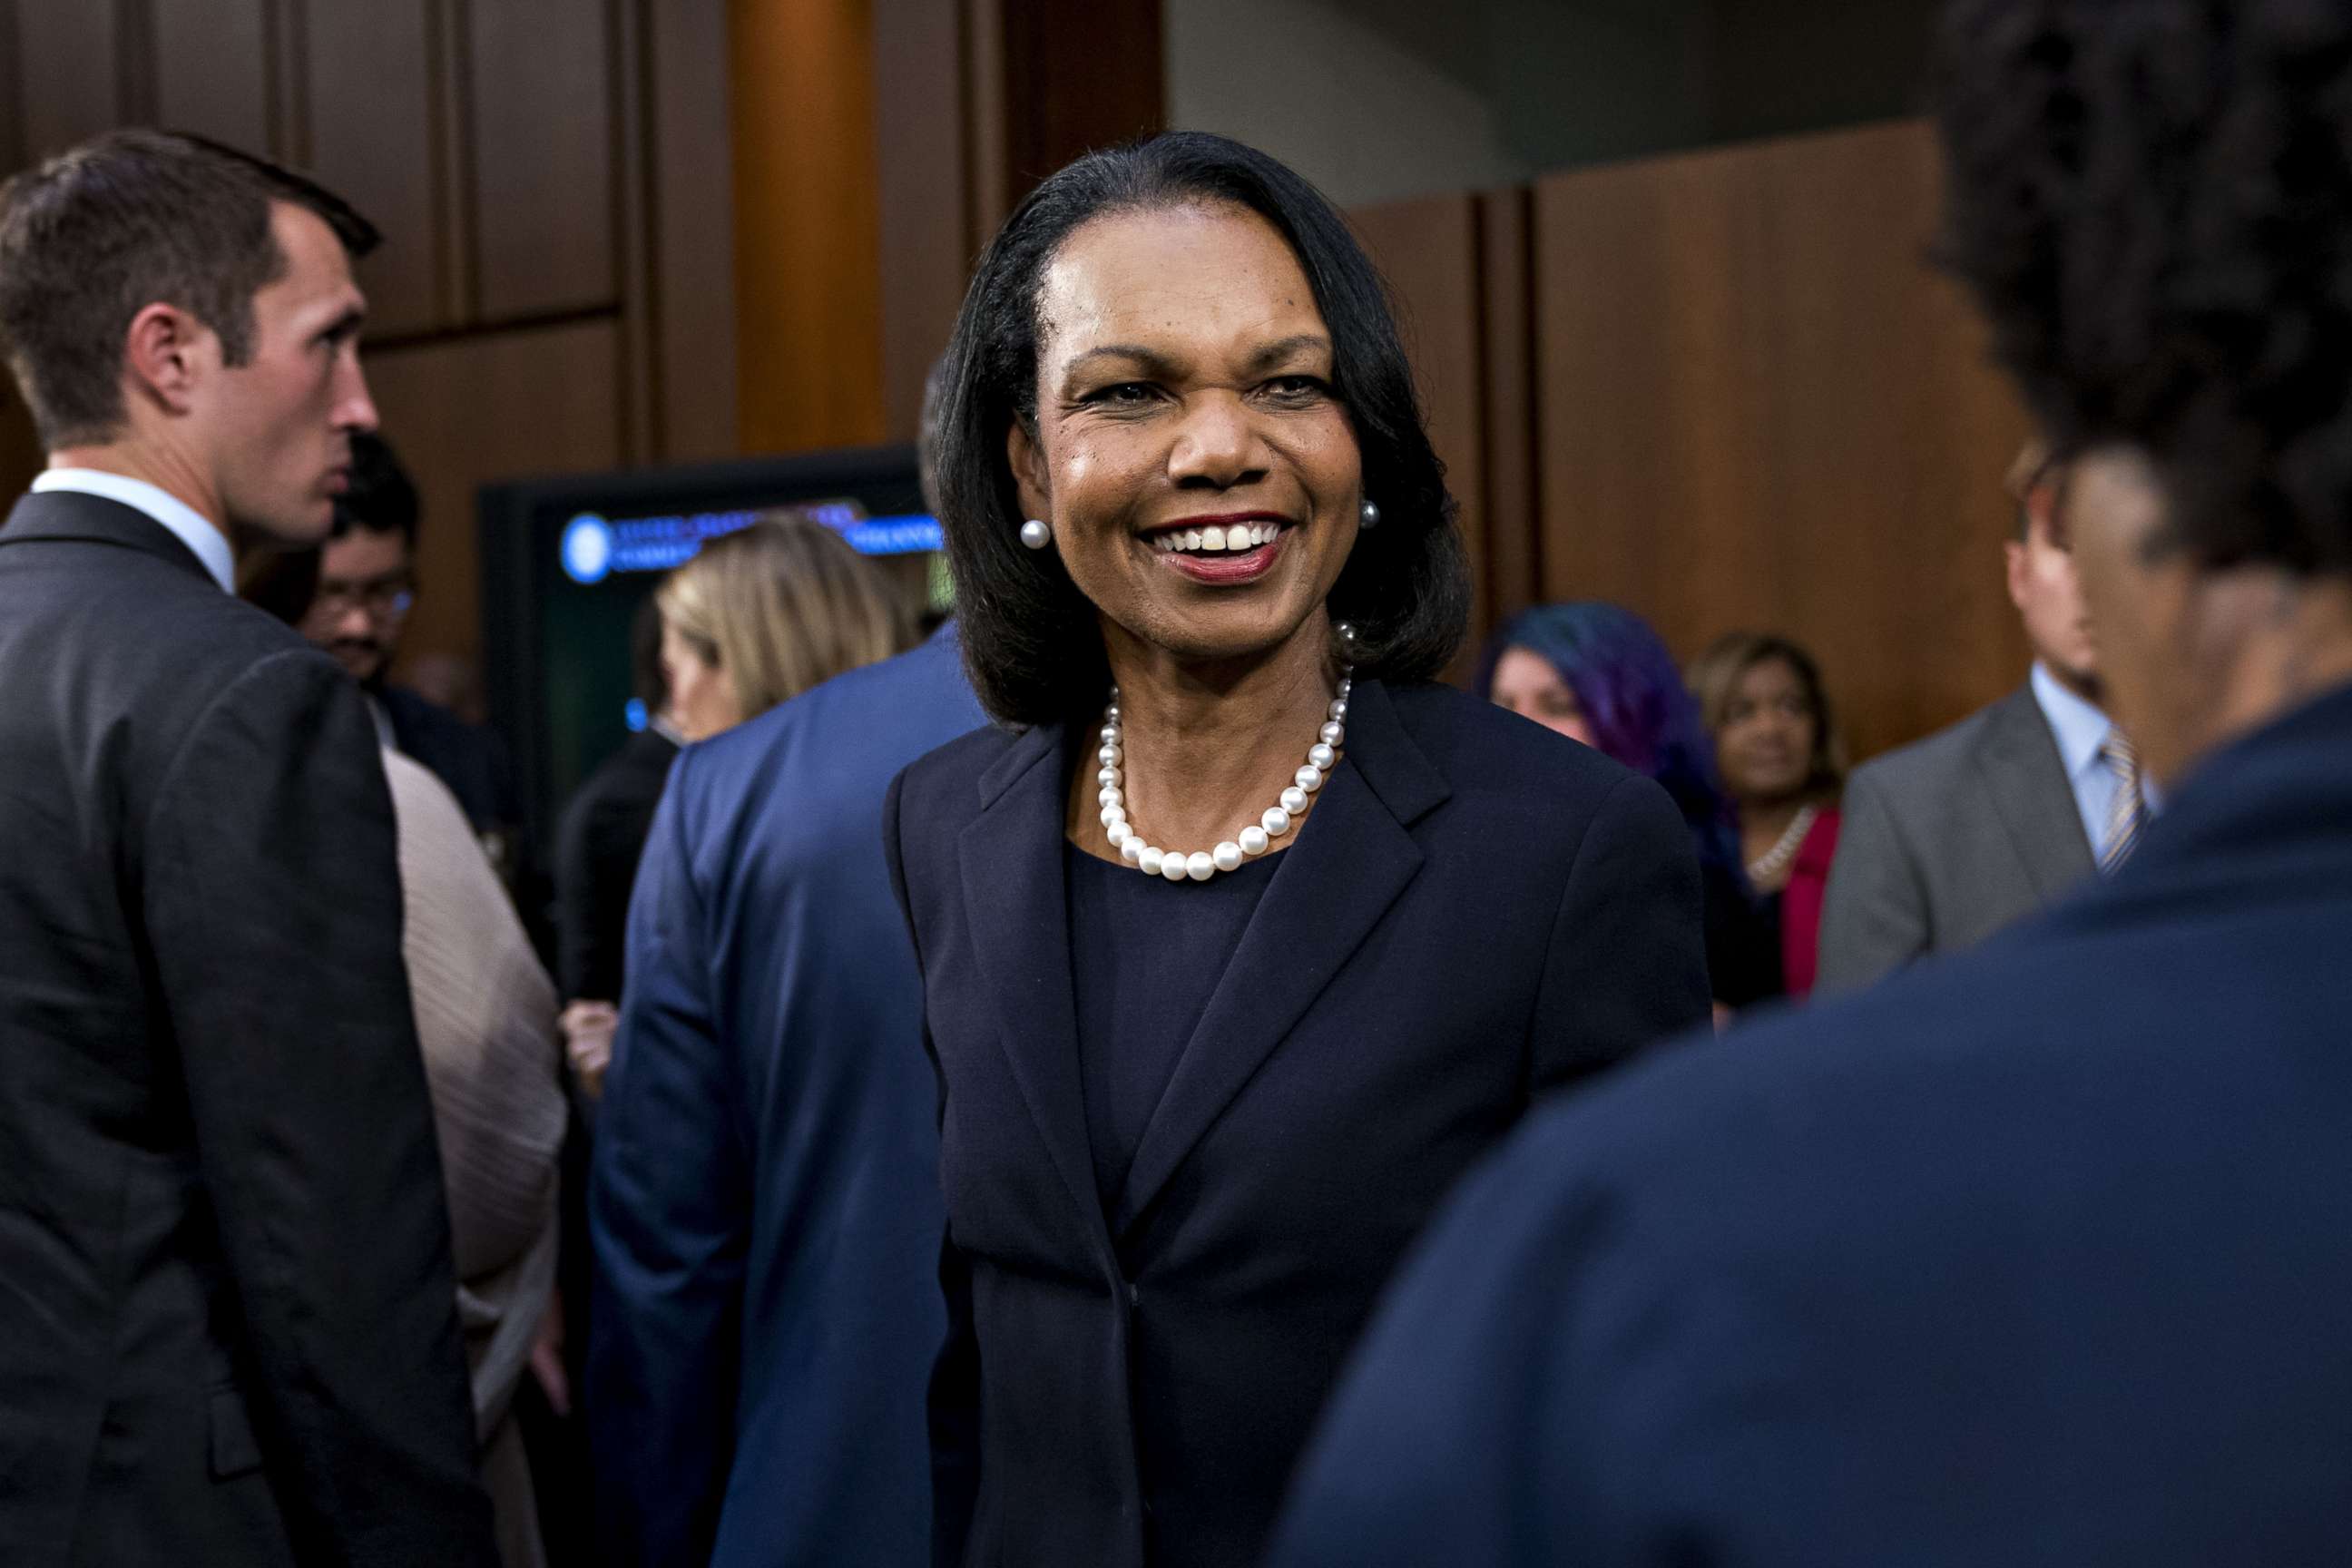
{"x":1353,"y":859}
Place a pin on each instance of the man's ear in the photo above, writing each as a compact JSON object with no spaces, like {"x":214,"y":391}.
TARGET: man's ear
{"x":1026,"y":458}
{"x":166,"y":354}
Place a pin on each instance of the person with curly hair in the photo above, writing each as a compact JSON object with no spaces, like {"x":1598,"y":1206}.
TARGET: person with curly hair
{"x":2035,"y":1254}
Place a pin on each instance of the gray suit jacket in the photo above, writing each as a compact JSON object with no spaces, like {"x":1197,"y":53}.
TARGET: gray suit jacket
{"x":1947,"y":840}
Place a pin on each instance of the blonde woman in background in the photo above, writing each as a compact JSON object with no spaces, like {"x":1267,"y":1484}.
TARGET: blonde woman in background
{"x":763,"y":615}
{"x":754,"y":618}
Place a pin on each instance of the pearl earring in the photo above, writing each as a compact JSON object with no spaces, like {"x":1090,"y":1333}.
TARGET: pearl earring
{"x":1036,"y":533}
{"x":1371,"y":514}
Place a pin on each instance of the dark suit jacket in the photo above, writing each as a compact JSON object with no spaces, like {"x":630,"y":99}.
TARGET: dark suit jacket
{"x":468,"y":758}
{"x":2036,"y":1255}
{"x":597,"y":847}
{"x":227,"y":1320}
{"x":1476,"y":911}
{"x":766,"y":1201}
{"x":1947,"y":840}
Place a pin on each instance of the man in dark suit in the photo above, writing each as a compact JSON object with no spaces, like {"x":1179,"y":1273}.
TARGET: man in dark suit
{"x":228,"y":1330}
{"x":2036,"y":1255}
{"x":367,"y":583}
{"x":766,"y":1201}
{"x":1949,"y":839}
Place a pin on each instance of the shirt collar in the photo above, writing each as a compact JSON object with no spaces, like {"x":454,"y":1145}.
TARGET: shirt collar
{"x":2079,"y":727}
{"x":183,"y":521}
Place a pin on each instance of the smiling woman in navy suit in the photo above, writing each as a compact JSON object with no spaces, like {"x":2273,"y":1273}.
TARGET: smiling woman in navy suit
{"x":1240,"y":941}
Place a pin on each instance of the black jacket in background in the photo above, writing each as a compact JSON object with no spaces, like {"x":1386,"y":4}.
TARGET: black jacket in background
{"x":468,"y":758}
{"x":597,"y":845}
{"x":228,"y":1328}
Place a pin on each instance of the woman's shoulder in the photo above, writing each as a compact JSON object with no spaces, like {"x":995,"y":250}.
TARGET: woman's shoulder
{"x":947,"y":780}
{"x":1483,"y":749}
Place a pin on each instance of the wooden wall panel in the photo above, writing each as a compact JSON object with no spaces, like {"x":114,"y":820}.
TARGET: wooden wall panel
{"x":925,"y":247}
{"x":1759,"y":408}
{"x":1427,"y":250}
{"x":377,"y":136}
{"x":465,"y":412}
{"x":68,"y":76}
{"x":1513,"y":561}
{"x":808,"y":228}
{"x":689,"y":183}
{"x":539,"y":81}
{"x":214,"y":67}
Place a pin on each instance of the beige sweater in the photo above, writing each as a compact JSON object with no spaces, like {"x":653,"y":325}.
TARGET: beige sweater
{"x":486,"y":1020}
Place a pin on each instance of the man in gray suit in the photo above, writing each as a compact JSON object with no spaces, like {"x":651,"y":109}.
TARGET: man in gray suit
{"x":1950,"y":838}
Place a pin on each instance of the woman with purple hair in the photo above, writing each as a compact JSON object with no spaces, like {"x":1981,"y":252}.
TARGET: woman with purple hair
{"x":1596,"y":673}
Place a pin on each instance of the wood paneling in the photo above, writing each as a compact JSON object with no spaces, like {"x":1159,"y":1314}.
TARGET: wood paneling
{"x":215,"y":69}
{"x":467,"y":412}
{"x":1513,"y":558}
{"x":807,"y":236}
{"x":1427,"y":250}
{"x":922,"y":217}
{"x":1078,"y":75}
{"x":376,"y":75}
{"x":1759,"y":408}
{"x":539,"y":97}
{"x":69,"y":77}
{"x":691,"y":218}
{"x":556,"y":289}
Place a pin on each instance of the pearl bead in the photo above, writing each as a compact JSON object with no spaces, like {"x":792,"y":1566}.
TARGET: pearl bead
{"x":1111,"y":814}
{"x":1339,"y":707}
{"x":1036,"y":533}
{"x":1293,"y":800}
{"x":1110,"y":732}
{"x":1253,"y":840}
{"x":1311,"y":778}
{"x":1109,"y":794}
{"x":1322,"y":756}
{"x":1107,"y":776}
{"x":1151,"y":860}
{"x":1130,"y":849}
{"x":1333,"y":733}
{"x":1200,"y":866}
{"x":1277,"y":822}
{"x":1112,"y":755}
{"x":1228,"y":856}
{"x":1174,"y":867}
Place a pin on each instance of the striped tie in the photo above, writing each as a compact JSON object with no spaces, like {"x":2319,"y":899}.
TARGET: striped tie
{"x":2127,"y":812}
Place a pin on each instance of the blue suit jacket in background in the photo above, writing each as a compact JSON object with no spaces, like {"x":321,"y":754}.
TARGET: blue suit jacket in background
{"x":2042,"y":1255}
{"x":765,"y":1204}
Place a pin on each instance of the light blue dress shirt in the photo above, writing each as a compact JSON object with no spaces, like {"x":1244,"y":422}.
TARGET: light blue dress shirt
{"x":2080,"y":728}
{"x":182,"y":521}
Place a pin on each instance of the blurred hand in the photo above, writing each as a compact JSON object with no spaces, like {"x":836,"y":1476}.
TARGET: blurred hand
{"x":588,"y":1028}
{"x":547,"y":1358}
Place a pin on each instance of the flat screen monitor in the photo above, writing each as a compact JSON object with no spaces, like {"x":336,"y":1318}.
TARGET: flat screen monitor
{"x":567,"y":561}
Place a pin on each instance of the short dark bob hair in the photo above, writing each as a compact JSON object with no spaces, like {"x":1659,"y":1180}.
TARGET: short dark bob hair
{"x":129,"y":219}
{"x":1032,"y":641}
{"x":2152,"y":201}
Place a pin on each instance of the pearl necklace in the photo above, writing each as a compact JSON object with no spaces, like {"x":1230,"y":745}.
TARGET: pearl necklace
{"x":1252,"y":841}
{"x":1775,"y":860}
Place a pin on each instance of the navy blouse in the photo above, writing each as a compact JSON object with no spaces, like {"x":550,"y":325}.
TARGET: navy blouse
{"x":1146,"y":955}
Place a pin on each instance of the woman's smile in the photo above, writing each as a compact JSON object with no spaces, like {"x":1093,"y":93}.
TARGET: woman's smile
{"x":1227,"y":550}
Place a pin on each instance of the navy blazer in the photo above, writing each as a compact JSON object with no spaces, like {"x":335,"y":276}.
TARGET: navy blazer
{"x":2042,"y":1254}
{"x":765,"y":1202}
{"x":1475,"y":912}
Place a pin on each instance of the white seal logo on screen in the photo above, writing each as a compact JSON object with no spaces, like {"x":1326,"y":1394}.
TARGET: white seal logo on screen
{"x":587,"y":548}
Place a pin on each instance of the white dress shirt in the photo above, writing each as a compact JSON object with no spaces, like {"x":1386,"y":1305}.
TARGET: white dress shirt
{"x":183,"y":521}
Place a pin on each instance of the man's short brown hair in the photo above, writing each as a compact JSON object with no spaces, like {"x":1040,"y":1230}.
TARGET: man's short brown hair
{"x":95,"y":234}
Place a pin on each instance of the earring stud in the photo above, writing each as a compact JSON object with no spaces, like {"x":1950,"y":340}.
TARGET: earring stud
{"x":1371,"y":514}
{"x":1036,"y":533}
